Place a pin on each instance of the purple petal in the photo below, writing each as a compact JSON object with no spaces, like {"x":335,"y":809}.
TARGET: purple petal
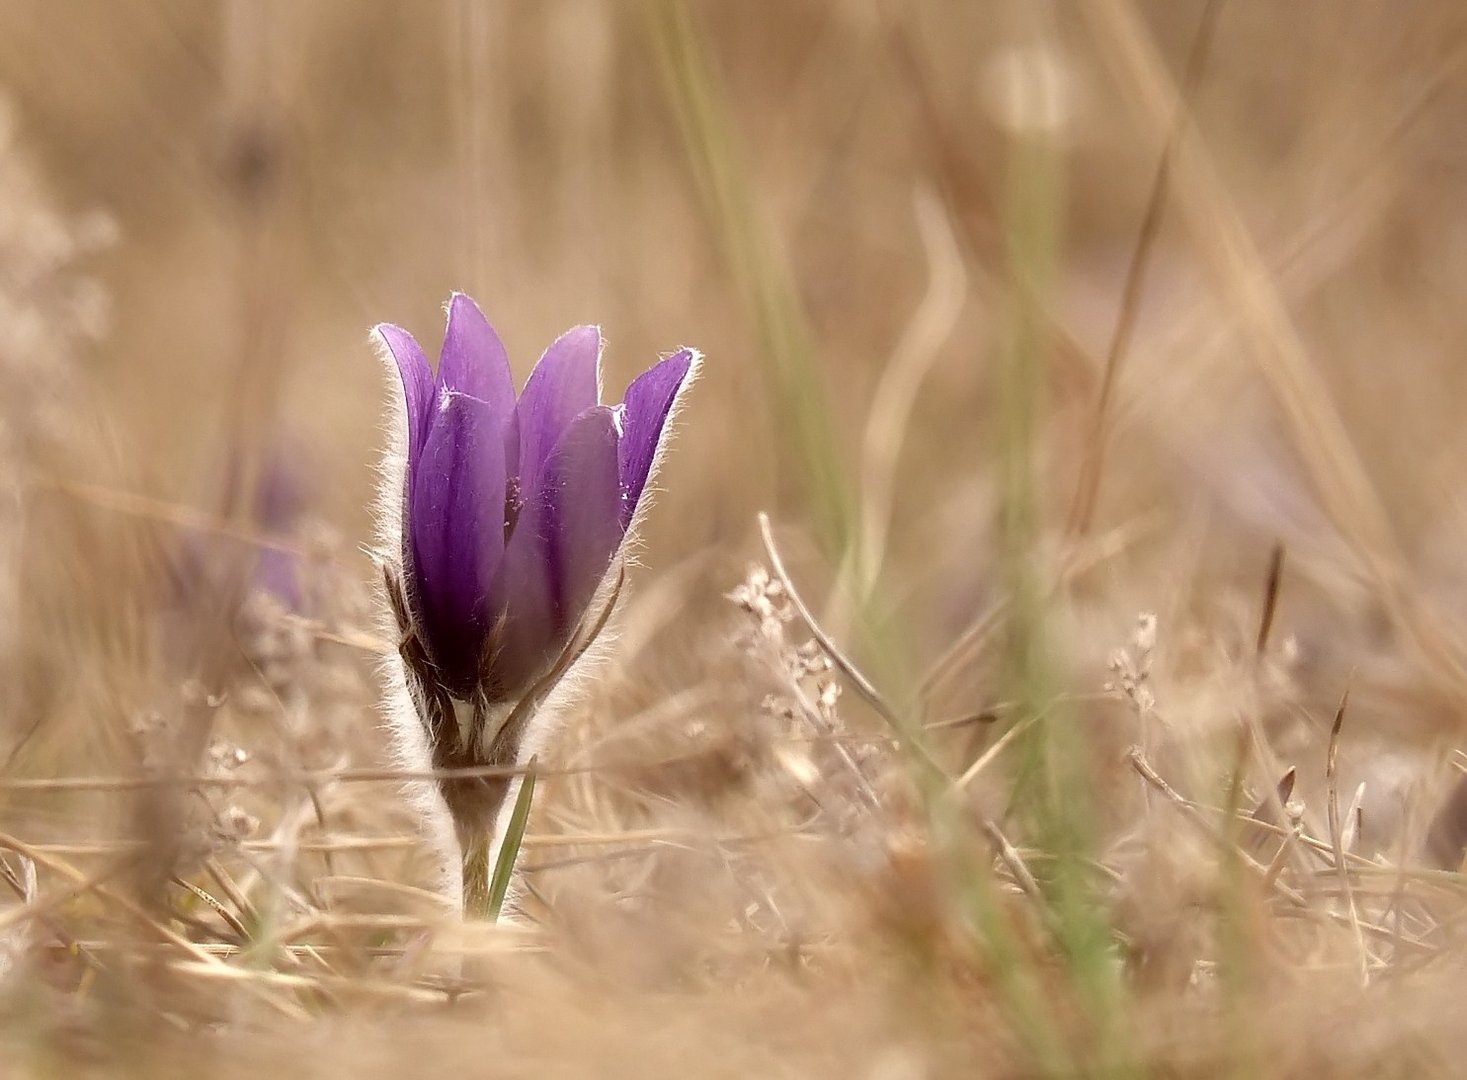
{"x":457,"y":529}
{"x":560,"y":549}
{"x":473,"y":360}
{"x":562,"y":386}
{"x":649,"y":401}
{"x":582,"y":487}
{"x":417,"y":382}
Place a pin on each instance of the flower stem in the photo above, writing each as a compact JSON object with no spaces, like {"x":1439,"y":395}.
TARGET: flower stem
{"x":476,"y":877}
{"x":484,"y":894}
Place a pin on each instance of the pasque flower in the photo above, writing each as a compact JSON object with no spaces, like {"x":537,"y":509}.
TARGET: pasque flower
{"x":505,"y":517}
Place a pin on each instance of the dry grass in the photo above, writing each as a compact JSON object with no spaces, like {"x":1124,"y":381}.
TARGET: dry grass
{"x":1022,"y":319}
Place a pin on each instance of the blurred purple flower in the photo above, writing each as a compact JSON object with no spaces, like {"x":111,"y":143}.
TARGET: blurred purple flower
{"x":513,"y":511}
{"x":207,"y":565}
{"x":281,"y":498}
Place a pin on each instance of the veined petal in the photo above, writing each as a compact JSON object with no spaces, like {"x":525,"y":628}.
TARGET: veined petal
{"x":473,"y":360}
{"x":648,"y":403}
{"x":457,"y":529}
{"x":417,"y":384}
{"x":562,"y":386}
{"x":582,"y":486}
{"x":560,"y":549}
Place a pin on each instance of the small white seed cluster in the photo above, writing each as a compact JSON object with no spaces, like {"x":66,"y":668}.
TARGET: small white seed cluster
{"x":1131,"y":667}
{"x":211,"y":824}
{"x":763,"y":597}
{"x":806,"y":665}
{"x":810,"y":745}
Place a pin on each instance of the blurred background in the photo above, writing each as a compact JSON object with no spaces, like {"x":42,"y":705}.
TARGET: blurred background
{"x":1104,"y":301}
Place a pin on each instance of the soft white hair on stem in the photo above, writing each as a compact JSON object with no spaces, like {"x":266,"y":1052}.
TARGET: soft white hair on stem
{"x":409,"y":739}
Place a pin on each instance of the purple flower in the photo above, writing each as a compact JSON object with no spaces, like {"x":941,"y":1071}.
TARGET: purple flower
{"x":514,"y":510}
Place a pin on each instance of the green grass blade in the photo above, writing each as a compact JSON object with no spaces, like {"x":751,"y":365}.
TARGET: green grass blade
{"x":751,"y":249}
{"x":509,"y":851}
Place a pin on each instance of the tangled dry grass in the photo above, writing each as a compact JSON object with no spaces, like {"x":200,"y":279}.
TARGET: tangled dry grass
{"x":1089,"y":704}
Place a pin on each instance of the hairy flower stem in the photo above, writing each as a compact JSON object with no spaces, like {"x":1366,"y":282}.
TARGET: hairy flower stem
{"x":477,"y":903}
{"x":504,"y":516}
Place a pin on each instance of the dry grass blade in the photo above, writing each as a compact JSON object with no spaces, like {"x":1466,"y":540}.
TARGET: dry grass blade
{"x":230,"y":919}
{"x":910,"y":740}
{"x":1282,"y":856}
{"x":1137,"y":758}
{"x":1193,"y":815}
{"x":1270,"y":602}
{"x":847,"y":668}
{"x":24,"y":883}
{"x":1263,"y":873}
{"x":1003,"y":741}
{"x":1014,"y":862}
{"x":164,"y":512}
{"x":1354,"y":819}
{"x":901,"y":380}
{"x":286,"y":778}
{"x":346,"y":987}
{"x":1092,"y":468}
{"x":83,"y":884}
{"x":1268,"y":807}
{"x":1336,"y":832}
